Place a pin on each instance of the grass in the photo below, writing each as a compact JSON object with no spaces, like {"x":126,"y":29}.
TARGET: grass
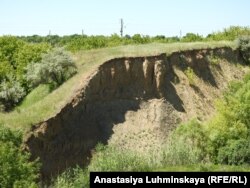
{"x":77,"y":177}
{"x":109,"y":158}
{"x":214,"y":60}
{"x":48,"y":104}
{"x":205,"y":168}
{"x":34,"y":96}
{"x":190,"y":75}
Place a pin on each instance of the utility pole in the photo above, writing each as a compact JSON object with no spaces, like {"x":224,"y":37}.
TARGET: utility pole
{"x":180,"y":34}
{"x":121,"y":27}
{"x":82,"y":32}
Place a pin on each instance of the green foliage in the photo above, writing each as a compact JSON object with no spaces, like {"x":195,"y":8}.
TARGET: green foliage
{"x":231,"y":33}
{"x":76,"y":42}
{"x":191,"y":37}
{"x":106,"y":158}
{"x":15,"y":55}
{"x":114,"y":159}
{"x":6,"y":135}
{"x":54,"y":68}
{"x":229,"y":131}
{"x":235,"y":152}
{"x":190,"y":75}
{"x":9,"y":47}
{"x":72,"y":178}
{"x":205,"y":167}
{"x":86,"y":43}
{"x":11,"y":92}
{"x":244,"y":46}
{"x":6,"y":70}
{"x":138,"y":39}
{"x":214,"y":60}
{"x":16,"y":170}
{"x":93,"y":42}
{"x":26,"y":54}
{"x":186,"y":145}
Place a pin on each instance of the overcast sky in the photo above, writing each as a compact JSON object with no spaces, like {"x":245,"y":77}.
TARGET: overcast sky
{"x":102,"y":17}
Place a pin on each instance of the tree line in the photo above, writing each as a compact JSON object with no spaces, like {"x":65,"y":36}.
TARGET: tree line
{"x":83,"y":42}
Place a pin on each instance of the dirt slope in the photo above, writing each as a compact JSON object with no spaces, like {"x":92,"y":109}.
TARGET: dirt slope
{"x":133,"y":102}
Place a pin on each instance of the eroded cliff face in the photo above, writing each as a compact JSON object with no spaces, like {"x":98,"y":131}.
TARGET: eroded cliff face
{"x":142,"y":98}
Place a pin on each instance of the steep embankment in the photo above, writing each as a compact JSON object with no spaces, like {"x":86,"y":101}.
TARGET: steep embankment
{"x":133,"y":102}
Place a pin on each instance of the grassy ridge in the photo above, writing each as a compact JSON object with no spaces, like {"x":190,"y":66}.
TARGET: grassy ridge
{"x":26,"y":115}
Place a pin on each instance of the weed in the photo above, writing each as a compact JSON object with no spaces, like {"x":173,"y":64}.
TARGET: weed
{"x":190,"y":75}
{"x":214,"y":60}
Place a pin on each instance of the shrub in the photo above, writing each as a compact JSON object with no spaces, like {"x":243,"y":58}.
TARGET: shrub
{"x":11,"y":93}
{"x":191,"y":37}
{"x":5,"y":70}
{"x":177,"y":152}
{"x":244,"y":46}
{"x":138,"y":39}
{"x":214,"y":60}
{"x":229,"y":130}
{"x":6,"y":135}
{"x":187,"y":145}
{"x":235,"y":152}
{"x":9,"y":46}
{"x":15,"y":55}
{"x":190,"y":75}
{"x":231,"y":33}
{"x":16,"y":170}
{"x":25,"y":55}
{"x":54,"y":68}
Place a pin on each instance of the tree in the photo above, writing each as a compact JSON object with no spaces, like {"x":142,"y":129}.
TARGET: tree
{"x":54,"y":68}
{"x":191,"y":37}
{"x":11,"y":92}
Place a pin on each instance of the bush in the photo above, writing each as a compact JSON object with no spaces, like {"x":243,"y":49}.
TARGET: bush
{"x":191,"y":37}
{"x":231,"y":33}
{"x":11,"y":93}
{"x":229,"y":130}
{"x":25,"y":55}
{"x":235,"y":152}
{"x":15,"y":55}
{"x":54,"y":68}
{"x":244,"y":46}
{"x":187,"y":145}
{"x":6,"y":135}
{"x":190,"y":75}
{"x":16,"y":170}
{"x":9,"y":46}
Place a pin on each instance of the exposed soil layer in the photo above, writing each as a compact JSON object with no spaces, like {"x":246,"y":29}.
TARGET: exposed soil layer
{"x":133,"y":102}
